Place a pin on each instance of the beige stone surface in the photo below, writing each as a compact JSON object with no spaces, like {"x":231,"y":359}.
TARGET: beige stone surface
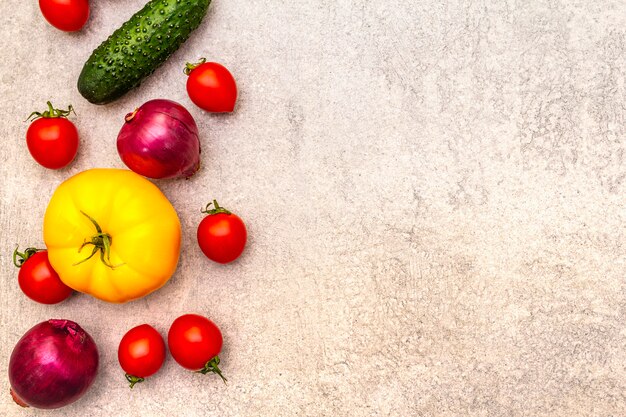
{"x":435,"y":194}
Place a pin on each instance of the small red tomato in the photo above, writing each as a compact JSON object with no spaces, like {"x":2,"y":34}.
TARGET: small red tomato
{"x":66,"y":15}
{"x":222,"y":235}
{"x":37,"y":279}
{"x":52,"y":140}
{"x":195,"y":343}
{"x":211,"y":86}
{"x":141,"y":353}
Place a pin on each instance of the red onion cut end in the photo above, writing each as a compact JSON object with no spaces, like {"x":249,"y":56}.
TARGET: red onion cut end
{"x":193,"y":171}
{"x":130,"y":116}
{"x":17,"y":399}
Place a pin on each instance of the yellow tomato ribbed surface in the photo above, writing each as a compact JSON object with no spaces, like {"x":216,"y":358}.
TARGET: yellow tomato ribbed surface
{"x":142,"y":227}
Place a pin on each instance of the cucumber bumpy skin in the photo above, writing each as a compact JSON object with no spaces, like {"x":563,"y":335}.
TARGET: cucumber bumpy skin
{"x":138,"y":48}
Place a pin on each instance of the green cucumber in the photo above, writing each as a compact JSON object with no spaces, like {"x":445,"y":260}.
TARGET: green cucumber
{"x":138,"y":48}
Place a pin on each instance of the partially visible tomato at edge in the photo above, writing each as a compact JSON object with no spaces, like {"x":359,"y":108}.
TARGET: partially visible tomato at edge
{"x":66,"y":15}
{"x":40,"y":282}
{"x":211,"y":87}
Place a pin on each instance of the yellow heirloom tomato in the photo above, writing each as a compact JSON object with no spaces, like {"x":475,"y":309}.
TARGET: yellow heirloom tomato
{"x":112,"y":234}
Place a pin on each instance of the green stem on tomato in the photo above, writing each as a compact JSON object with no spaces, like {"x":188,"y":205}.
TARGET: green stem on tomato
{"x":215,"y":210}
{"x":211,"y":366}
{"x":101,"y":243}
{"x":51,"y":113}
{"x":133,"y":379}
{"x":28,"y":252}
{"x":190,"y":67}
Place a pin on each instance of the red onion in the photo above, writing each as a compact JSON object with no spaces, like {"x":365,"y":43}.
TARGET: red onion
{"x":160,"y":140}
{"x":52,"y":365}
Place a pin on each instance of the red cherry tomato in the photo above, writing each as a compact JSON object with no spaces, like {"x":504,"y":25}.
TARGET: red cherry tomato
{"x":52,"y":140}
{"x":222,"y":235}
{"x":211,"y":86}
{"x":66,"y":15}
{"x":37,"y":279}
{"x":195,"y":343}
{"x":141,"y":353}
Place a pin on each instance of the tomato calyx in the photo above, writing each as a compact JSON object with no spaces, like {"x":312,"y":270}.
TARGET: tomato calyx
{"x":23,"y":256}
{"x":51,"y":113}
{"x":101,"y":243}
{"x":215,"y":210}
{"x":190,"y":67}
{"x":211,"y":366}
{"x":133,"y":379}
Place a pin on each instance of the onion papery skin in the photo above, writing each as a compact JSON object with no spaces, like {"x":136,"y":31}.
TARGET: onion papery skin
{"x":52,"y":365}
{"x":160,"y":140}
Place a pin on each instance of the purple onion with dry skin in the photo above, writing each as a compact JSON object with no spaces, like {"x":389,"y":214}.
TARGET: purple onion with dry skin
{"x":160,"y":140}
{"x":52,"y":365}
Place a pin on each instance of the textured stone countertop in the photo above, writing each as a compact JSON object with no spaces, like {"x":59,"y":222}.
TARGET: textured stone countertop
{"x":435,"y":193}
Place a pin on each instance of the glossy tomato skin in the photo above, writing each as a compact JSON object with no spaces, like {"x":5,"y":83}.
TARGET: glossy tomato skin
{"x":39,"y":281}
{"x":222,"y":237}
{"x":212,"y":88}
{"x":141,"y":351}
{"x":66,"y":15}
{"x":194,"y":340}
{"x":52,"y":141}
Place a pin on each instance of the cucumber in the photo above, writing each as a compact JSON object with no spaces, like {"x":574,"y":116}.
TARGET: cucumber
{"x":138,"y":48}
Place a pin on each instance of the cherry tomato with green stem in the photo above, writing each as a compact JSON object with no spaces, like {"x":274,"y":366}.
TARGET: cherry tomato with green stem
{"x":211,"y":86}
{"x":51,"y":138}
{"x":195,"y":343}
{"x":66,"y":15}
{"x":141,"y":353}
{"x":222,"y":235}
{"x":37,"y":279}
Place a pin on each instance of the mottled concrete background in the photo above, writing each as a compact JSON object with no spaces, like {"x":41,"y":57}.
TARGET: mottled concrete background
{"x":435,"y":194}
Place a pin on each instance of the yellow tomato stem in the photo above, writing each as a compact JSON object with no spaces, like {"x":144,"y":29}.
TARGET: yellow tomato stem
{"x":101,"y":242}
{"x":95,"y":250}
